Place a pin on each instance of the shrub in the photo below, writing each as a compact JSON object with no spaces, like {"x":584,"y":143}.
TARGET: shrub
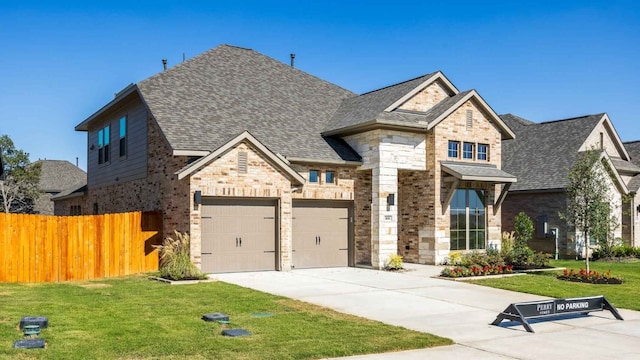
{"x":524,"y":229}
{"x":540,"y":260}
{"x":475,"y":270}
{"x":508,"y":241}
{"x":394,"y":263}
{"x":454,"y":258}
{"x":175,"y":262}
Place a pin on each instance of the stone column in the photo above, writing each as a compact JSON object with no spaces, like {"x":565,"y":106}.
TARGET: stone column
{"x":286,"y":230}
{"x":384,"y":217}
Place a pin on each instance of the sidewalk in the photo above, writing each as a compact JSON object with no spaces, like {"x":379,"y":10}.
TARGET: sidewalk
{"x":453,"y":309}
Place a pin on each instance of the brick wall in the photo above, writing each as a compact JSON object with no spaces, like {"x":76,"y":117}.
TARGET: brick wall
{"x":362,"y":217}
{"x":413,"y":212}
{"x":159,"y":191}
{"x":550,"y":204}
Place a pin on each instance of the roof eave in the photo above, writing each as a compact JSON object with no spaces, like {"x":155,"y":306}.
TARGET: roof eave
{"x":375,"y":124}
{"x":299,"y":160}
{"x":128,"y":90}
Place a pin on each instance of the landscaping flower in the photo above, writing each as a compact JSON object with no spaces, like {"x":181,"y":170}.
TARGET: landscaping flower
{"x":591,"y":276}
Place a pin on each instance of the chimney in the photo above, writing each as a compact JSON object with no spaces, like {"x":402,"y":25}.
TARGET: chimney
{"x":164,"y":63}
{"x":293,"y":56}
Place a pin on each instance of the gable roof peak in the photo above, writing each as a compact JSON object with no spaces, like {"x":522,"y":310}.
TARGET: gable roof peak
{"x":425,"y":77}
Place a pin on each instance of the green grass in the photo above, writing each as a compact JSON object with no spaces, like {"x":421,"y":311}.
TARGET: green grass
{"x":545,"y":283}
{"x":135,"y":318}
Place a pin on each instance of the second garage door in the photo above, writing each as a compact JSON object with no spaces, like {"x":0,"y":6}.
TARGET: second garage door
{"x":320,"y":234}
{"x":238,"y":235}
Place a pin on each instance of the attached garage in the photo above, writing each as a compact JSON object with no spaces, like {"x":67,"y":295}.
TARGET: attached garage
{"x":321,"y":233}
{"x":238,"y":235}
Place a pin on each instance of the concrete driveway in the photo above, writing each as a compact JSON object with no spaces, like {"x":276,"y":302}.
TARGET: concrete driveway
{"x":456,"y":310}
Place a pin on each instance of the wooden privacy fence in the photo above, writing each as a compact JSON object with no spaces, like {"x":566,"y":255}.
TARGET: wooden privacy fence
{"x":37,"y":248}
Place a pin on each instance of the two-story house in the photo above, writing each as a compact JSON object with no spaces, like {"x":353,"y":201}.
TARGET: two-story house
{"x":268,"y":167}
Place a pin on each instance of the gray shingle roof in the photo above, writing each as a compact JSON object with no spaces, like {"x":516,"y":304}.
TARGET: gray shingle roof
{"x":542,"y":154}
{"x":366,"y":107}
{"x":59,"y":175}
{"x":634,"y":183}
{"x":624,"y":166}
{"x":633,"y":148}
{"x":472,"y":171}
{"x":515,"y":122}
{"x":208,"y":100}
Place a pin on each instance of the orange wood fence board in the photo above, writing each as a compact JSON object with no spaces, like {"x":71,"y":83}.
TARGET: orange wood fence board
{"x":38,"y":248}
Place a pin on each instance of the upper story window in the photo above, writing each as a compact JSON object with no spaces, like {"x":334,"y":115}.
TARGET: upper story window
{"x":123,"y":136}
{"x":454,"y":149}
{"x":314,"y":176}
{"x":483,"y":152}
{"x":467,"y":150}
{"x":104,"y":136}
{"x":329,"y":177}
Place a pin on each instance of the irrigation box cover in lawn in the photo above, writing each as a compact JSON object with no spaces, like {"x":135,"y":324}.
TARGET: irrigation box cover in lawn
{"x":41,"y":321}
{"x":215,"y":317}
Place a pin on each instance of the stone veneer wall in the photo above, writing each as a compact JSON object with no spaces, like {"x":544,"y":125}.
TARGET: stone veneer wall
{"x":385,"y":152}
{"x":550,"y":204}
{"x":434,"y":237}
{"x":427,"y":98}
{"x":362,"y":217}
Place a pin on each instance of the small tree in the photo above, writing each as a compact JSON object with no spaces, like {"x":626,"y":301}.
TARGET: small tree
{"x":524,"y":229}
{"x":588,"y":207}
{"x":522,"y":253}
{"x":18,"y":180}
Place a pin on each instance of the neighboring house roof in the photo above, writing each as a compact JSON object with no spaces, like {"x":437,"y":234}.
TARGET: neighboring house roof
{"x":78,"y":189}
{"x":515,"y":122}
{"x":58,"y":175}
{"x":542,"y":154}
{"x":633,"y":148}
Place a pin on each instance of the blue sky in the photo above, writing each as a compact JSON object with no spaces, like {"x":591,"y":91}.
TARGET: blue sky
{"x":542,"y":60}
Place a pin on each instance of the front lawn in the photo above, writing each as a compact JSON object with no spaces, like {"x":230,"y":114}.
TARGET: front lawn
{"x":135,"y":318}
{"x":545,"y":283}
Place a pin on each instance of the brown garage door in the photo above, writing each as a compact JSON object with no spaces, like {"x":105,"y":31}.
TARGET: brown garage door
{"x":238,"y":235}
{"x":320,"y":234}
